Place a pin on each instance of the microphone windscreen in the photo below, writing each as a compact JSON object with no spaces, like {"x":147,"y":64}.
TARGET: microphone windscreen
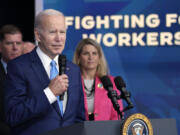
{"x":62,"y":64}
{"x":119,"y":82}
{"x":62,"y":69}
{"x":106,"y":82}
{"x":62,"y":60}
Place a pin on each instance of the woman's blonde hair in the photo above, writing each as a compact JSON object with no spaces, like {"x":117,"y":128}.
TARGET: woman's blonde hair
{"x":102,"y":68}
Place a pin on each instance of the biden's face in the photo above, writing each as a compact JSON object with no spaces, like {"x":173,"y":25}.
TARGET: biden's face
{"x":52,"y":35}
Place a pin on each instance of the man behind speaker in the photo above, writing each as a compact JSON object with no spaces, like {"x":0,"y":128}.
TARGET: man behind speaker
{"x":31,"y":91}
{"x":10,"y":47}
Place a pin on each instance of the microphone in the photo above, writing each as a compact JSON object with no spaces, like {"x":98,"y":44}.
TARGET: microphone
{"x":62,"y":69}
{"x":120,"y":84}
{"x":111,"y":93}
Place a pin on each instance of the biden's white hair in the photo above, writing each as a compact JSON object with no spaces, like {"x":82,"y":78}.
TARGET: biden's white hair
{"x":47,"y":12}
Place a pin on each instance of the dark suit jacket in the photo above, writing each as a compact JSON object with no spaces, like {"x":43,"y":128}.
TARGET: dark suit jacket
{"x":4,"y":129}
{"x":27,"y":107}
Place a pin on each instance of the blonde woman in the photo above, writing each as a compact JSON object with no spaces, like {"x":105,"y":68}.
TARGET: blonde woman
{"x":90,"y":58}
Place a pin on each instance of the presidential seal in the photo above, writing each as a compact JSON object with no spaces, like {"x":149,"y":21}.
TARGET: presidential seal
{"x":137,"y":124}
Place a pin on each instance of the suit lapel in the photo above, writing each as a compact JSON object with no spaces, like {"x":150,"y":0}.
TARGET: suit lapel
{"x":67,"y":72}
{"x":56,"y":107}
{"x":85,"y":99}
{"x":39,"y":70}
{"x":99,"y":97}
{"x":2,"y":71}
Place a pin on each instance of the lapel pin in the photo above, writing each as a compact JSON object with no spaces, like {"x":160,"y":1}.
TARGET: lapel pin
{"x":100,"y":85}
{"x":67,"y":68}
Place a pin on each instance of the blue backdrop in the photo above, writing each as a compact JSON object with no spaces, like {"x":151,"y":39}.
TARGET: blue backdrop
{"x":141,"y":42}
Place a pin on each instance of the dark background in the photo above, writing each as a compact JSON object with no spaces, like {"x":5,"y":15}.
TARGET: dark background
{"x":20,"y":13}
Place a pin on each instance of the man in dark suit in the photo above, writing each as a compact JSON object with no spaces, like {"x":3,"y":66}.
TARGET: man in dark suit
{"x":4,"y":129}
{"x":10,"y":47}
{"x":31,"y":97}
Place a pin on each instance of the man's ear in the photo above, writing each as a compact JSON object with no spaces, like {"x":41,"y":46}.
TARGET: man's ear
{"x":37,"y":35}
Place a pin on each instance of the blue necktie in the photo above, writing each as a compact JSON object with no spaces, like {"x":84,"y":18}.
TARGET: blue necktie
{"x":53,"y":74}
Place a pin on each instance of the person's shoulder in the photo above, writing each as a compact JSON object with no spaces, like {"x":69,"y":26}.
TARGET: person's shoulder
{"x":71,"y":64}
{"x":22,"y":59}
{"x":110,"y":76}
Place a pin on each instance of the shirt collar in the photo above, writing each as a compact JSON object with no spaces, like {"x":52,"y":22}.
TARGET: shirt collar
{"x":45,"y":58}
{"x":4,"y":65}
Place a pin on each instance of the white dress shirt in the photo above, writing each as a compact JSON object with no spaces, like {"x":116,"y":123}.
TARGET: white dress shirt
{"x":46,"y":60}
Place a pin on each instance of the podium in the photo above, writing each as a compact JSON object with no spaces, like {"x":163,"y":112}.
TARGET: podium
{"x":160,"y":127}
